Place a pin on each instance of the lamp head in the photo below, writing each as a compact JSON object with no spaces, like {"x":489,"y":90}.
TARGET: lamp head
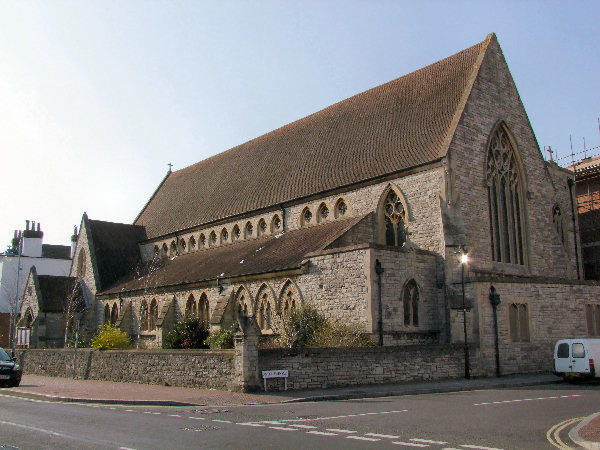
{"x":464,"y":258}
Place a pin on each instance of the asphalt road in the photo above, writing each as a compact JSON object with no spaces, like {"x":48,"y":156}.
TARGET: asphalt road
{"x":502,"y":418}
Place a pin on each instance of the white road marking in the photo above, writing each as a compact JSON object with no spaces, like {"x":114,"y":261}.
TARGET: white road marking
{"x":362,"y":438}
{"x":222,"y":421}
{"x":477,"y":447}
{"x":274,"y":422}
{"x":129,"y":410}
{"x":409,"y":444}
{"x":314,"y":419}
{"x":250,"y":424}
{"x":525,"y":400}
{"x":337,"y":430}
{"x":197,"y":418}
{"x":322,"y":433}
{"x":427,"y":441}
{"x":284,"y":428}
{"x":306,"y":427}
{"x":174,"y":415}
{"x":384,"y":436}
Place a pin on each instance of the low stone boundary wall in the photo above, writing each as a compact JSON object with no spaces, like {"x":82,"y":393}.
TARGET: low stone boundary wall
{"x":188,"y":368}
{"x":318,"y":368}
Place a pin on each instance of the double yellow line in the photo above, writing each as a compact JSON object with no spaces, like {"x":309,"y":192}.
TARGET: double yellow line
{"x":553,"y":434}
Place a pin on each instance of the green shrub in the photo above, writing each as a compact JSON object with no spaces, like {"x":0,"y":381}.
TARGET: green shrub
{"x":299,"y":325}
{"x":109,"y":337}
{"x":220,"y":339}
{"x":339,"y":335}
{"x":189,"y":333}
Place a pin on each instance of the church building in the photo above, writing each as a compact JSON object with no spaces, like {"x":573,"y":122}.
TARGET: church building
{"x":406,"y":209}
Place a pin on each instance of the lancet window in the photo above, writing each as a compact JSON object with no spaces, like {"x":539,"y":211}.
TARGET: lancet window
{"x":411,"y":304}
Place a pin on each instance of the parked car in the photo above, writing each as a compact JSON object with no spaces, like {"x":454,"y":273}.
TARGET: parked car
{"x":10,"y":371}
{"x":577,"y":358}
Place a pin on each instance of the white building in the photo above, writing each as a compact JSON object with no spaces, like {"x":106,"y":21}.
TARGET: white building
{"x":47,"y":259}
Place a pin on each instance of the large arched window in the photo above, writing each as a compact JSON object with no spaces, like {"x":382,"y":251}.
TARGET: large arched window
{"x":395,"y":219}
{"x":505,"y":200}
{"x":410,"y":302}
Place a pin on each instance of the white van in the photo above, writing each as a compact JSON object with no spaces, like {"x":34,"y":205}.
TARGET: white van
{"x":577,"y":358}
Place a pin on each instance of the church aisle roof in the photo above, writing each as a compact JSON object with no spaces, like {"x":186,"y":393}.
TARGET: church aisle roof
{"x":115,"y":247}
{"x":398,"y":125}
{"x":255,"y":256}
{"x":56,"y":291}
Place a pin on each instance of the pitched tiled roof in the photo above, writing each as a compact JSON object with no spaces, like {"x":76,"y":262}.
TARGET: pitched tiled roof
{"x":56,"y":251}
{"x":255,"y":256}
{"x":395,"y":126}
{"x":56,"y":292}
{"x":115,"y":247}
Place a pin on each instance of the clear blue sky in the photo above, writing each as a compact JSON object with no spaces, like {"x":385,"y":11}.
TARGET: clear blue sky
{"x":97,"y":96}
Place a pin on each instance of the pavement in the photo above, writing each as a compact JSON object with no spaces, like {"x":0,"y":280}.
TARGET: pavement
{"x":586,"y":434}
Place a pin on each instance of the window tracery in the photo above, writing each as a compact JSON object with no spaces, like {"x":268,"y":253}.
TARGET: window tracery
{"x":323,"y":212}
{"x":192,"y":244}
{"x":164,"y":250}
{"x":505,"y":201}
{"x":106,"y":314}
{"x":306,"y":216}
{"x":213,"y":238}
{"x":172,"y":249}
{"x":395,"y":219}
{"x":202,"y":240}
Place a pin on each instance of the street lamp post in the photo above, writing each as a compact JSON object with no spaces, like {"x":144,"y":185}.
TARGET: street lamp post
{"x":14,"y":330}
{"x":464,"y":259}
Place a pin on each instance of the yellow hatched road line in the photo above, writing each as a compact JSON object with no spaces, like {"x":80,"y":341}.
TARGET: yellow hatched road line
{"x":553,"y":434}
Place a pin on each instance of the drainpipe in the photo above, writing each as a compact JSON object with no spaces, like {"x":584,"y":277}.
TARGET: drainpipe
{"x":570,"y":182}
{"x":379,"y":271}
{"x":495,"y":301}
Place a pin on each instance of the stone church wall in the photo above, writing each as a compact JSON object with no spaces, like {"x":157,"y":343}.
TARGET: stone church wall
{"x":494,"y":98}
{"x":210,"y":369}
{"x":319,"y":368}
{"x":555,"y":311}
